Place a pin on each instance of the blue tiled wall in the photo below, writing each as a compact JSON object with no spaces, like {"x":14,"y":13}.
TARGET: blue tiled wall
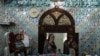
{"x":87,"y":22}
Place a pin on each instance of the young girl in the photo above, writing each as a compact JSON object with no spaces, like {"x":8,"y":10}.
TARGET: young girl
{"x":19,"y":46}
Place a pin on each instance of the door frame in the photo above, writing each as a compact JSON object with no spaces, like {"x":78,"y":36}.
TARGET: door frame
{"x":43,"y":29}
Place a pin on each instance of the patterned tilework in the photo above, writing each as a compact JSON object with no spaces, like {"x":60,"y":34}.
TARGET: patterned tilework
{"x":66,"y":3}
{"x":86,"y":14}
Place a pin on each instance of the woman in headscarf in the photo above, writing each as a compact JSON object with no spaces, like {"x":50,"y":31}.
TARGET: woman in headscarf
{"x":49,"y":46}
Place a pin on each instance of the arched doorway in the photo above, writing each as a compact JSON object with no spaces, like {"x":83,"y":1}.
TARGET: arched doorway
{"x":55,"y":20}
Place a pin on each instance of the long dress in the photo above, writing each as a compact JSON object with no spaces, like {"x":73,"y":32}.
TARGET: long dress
{"x":66,"y":48}
{"x":12,"y":47}
{"x":49,"y":47}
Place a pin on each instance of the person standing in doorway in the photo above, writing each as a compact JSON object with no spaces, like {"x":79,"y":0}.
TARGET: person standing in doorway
{"x":49,"y":46}
{"x":68,"y":47}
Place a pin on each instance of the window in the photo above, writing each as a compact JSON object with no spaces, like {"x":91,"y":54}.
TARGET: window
{"x":64,"y":20}
{"x":48,"y":20}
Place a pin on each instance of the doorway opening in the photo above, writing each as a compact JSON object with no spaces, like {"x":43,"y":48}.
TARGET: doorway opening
{"x":56,"y":21}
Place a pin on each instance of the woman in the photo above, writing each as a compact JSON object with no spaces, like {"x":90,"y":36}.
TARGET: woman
{"x":49,"y":46}
{"x":69,"y":47}
{"x":12,"y":42}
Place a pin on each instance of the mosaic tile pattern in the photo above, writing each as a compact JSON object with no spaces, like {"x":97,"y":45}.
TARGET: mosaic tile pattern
{"x":66,"y":3}
{"x":86,"y":14}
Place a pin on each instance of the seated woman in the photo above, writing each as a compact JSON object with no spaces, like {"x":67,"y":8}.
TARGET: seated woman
{"x":20,"y":49}
{"x":49,"y":46}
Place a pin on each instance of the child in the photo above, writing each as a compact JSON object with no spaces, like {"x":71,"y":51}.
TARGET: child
{"x":19,"y":46}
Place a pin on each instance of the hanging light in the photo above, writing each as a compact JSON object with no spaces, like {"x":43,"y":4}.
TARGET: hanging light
{"x":57,"y":2}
